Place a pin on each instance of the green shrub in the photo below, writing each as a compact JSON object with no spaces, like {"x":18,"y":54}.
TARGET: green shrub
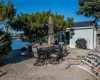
{"x":5,"y":43}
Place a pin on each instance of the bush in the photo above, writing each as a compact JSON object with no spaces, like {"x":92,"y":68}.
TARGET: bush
{"x":5,"y":44}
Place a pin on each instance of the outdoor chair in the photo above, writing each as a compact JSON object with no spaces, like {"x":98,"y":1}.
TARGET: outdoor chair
{"x":41,"y":57}
{"x":56,"y":55}
{"x":65,"y":51}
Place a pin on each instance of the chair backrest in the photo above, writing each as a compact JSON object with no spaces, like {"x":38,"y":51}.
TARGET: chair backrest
{"x":64,"y":47}
{"x":60,"y":49}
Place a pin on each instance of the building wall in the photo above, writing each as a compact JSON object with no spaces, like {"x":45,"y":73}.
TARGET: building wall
{"x":95,"y":39}
{"x":87,"y":34}
{"x":98,"y":39}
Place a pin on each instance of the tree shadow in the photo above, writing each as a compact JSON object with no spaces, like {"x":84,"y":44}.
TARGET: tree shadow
{"x":15,"y":57}
{"x":3,"y":74}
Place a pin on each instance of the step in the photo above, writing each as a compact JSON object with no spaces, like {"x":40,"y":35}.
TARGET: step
{"x":93,"y":61}
{"x":96,"y":56}
{"x":97,"y":70}
{"x":89,"y":64}
{"x":88,"y":71}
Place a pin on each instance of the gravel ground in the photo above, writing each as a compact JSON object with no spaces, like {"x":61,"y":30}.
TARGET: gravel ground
{"x":25,"y":69}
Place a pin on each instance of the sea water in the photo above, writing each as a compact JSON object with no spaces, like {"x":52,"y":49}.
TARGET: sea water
{"x":18,"y":43}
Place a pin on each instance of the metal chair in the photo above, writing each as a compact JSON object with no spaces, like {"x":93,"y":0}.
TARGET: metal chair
{"x":40,"y":58}
{"x":56,"y":55}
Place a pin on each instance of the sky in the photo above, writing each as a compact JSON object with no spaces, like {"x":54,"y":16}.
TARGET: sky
{"x":67,"y":8}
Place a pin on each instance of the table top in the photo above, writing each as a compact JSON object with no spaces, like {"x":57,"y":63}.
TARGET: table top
{"x":48,"y":47}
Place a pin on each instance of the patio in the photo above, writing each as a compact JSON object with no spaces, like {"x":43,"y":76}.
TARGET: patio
{"x":25,"y":70}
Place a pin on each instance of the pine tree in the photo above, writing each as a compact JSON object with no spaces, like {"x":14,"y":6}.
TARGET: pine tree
{"x":5,"y":44}
{"x":35,"y":25}
{"x":7,"y":12}
{"x":89,"y":8}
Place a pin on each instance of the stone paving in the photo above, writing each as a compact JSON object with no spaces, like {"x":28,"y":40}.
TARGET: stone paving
{"x":25,"y":70}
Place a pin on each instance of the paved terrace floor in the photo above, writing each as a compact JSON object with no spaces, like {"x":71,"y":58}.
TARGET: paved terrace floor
{"x":25,"y":70}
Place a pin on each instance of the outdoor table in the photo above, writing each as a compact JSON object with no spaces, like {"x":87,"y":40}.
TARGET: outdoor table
{"x":46,"y":50}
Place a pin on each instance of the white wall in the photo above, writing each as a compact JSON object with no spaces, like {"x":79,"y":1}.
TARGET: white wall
{"x":87,"y":34}
{"x":95,"y":39}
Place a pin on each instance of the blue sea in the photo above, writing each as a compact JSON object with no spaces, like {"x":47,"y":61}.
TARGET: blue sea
{"x":17,"y":43}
